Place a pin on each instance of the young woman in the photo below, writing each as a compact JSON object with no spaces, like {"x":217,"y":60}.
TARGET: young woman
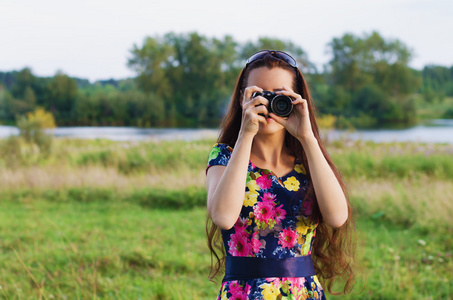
{"x":272,"y":188}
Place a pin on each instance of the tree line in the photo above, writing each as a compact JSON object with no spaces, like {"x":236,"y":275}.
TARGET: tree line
{"x":186,"y":80}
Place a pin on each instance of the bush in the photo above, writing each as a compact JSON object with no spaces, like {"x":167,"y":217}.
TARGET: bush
{"x":448,"y":113}
{"x":32,"y":142}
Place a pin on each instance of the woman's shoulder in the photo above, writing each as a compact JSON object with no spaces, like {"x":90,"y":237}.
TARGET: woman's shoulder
{"x":220,"y":154}
{"x":221,"y":147}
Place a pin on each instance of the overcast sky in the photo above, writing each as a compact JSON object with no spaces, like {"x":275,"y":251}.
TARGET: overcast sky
{"x":92,"y":38}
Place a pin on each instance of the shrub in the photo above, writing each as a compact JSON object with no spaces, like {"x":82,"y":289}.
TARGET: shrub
{"x":32,"y":142}
{"x":448,"y":113}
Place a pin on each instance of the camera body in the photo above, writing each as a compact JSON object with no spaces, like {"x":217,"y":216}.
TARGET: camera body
{"x":280,"y":105}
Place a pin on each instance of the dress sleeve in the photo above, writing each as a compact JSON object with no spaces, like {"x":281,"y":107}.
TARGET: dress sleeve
{"x":220,"y":155}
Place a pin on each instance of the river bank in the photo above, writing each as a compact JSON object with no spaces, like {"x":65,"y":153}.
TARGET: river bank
{"x":434,"y":131}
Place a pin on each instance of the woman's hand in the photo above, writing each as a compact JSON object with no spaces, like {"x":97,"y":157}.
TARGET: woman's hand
{"x":298,"y":123}
{"x":252,"y":112}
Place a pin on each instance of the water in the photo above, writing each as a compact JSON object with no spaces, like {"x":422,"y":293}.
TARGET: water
{"x":435,"y":131}
{"x":122,"y":133}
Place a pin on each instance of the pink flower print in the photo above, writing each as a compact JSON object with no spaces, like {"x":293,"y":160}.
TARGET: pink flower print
{"x":308,"y":207}
{"x":247,"y":288}
{"x":264,"y":181}
{"x":241,"y":225}
{"x":234,"y":286}
{"x":256,"y":244}
{"x":274,"y":280}
{"x":295,"y":283}
{"x":268,"y":197}
{"x":279,"y":214}
{"x":239,"y":245}
{"x":264,"y":212}
{"x":238,"y":295}
{"x":288,"y":238}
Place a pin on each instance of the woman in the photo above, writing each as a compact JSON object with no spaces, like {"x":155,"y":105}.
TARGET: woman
{"x":278,"y":189}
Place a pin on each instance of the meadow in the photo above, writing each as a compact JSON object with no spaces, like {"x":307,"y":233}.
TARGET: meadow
{"x":126,"y":220}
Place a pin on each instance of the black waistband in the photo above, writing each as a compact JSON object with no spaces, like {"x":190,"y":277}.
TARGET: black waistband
{"x":243,"y":268}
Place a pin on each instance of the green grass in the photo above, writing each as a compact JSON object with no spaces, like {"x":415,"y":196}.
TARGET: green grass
{"x":121,"y":250}
{"x":402,"y":263}
{"x":118,"y":250}
{"x":112,"y":220}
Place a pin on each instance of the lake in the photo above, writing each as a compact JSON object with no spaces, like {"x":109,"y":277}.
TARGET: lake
{"x":435,"y":131}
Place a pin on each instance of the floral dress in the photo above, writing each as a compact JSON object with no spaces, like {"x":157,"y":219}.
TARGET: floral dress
{"x":271,"y":225}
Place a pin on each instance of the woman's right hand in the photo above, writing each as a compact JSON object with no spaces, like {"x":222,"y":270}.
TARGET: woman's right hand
{"x":252,"y":112}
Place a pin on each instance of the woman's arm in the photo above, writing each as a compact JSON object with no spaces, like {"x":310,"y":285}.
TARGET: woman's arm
{"x":329,"y":194}
{"x":226,"y":185}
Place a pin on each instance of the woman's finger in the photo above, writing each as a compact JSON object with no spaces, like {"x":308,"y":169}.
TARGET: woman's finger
{"x":289,"y":93}
{"x":299,"y":100}
{"x":261,"y":109}
{"x":248,"y":92}
{"x":256,"y":101}
{"x":256,"y":114}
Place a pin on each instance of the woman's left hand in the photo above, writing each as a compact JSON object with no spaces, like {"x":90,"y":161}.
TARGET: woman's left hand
{"x":298,"y":123}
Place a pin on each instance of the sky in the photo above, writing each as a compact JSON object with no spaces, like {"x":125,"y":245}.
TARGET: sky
{"x":92,"y":39}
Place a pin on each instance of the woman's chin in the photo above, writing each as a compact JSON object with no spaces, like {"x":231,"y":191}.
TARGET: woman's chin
{"x":270,"y":127}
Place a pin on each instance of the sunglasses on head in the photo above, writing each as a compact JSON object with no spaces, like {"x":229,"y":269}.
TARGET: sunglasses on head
{"x":278,"y":54}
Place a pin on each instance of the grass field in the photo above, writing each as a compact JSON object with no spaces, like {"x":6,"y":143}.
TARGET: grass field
{"x":110,"y":220}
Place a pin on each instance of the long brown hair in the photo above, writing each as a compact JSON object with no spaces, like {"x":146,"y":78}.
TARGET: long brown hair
{"x":333,"y":248}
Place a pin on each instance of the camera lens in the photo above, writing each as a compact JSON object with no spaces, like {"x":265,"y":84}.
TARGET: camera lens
{"x":281,"y":105}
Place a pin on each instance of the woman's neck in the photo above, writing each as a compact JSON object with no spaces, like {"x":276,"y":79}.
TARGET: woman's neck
{"x":269,"y":151}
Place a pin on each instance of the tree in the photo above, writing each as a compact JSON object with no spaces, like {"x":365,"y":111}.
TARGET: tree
{"x":29,"y":96}
{"x":62,"y":94}
{"x":151,"y":62}
{"x":189,"y":72}
{"x":194,"y":75}
{"x":364,"y":65}
{"x":437,"y":82}
{"x":359,"y":61}
{"x":25,"y":80}
{"x":86,"y":110}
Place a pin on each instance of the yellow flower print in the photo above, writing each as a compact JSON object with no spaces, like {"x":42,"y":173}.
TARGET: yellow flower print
{"x":223,"y":295}
{"x":299,"y":168}
{"x":292,"y":184}
{"x":302,"y":226}
{"x":300,"y":239}
{"x":316,"y":295}
{"x":317,"y":281}
{"x":251,"y":195}
{"x":305,"y":250}
{"x":304,"y":293}
{"x":269,"y":292}
{"x":250,"y":198}
{"x":252,"y":186}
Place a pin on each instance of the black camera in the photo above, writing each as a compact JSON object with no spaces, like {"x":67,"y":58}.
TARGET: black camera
{"x":280,"y":105}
